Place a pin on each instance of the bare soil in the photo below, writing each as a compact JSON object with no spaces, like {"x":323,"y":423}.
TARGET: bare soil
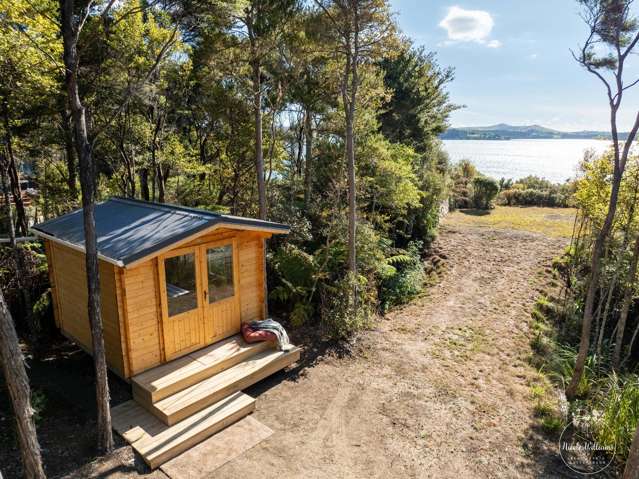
{"x":440,"y":388}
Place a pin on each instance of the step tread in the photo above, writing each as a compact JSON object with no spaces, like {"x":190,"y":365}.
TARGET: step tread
{"x":157,"y":443}
{"x":171,"y":375}
{"x":224,"y":383}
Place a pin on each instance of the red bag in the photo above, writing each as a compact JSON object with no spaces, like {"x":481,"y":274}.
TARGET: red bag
{"x":252,"y":336}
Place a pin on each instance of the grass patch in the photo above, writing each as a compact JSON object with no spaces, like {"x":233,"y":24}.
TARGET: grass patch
{"x":553,"y":222}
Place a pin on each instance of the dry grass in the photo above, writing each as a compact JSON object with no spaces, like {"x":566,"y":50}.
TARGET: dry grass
{"x":552,"y":222}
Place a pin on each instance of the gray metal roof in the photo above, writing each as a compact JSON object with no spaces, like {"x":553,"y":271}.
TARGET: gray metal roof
{"x":129,"y":229}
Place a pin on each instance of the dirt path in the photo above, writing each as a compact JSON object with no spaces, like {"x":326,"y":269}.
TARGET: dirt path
{"x":439,"y":389}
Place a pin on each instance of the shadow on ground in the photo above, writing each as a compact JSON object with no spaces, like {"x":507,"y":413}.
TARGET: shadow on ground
{"x":63,"y":386}
{"x":474,"y":212}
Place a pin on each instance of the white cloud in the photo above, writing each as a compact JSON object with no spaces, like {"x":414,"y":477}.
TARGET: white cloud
{"x":469,"y":26}
{"x":533,"y":56}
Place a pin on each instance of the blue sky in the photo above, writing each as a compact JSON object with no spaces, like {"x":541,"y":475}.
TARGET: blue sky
{"x":513,"y":63}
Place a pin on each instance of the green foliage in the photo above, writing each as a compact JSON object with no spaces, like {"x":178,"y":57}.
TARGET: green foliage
{"x":617,"y":407}
{"x":344,"y":313}
{"x":406,"y":281}
{"x":484,"y":192}
{"x":535,"y":191}
{"x":463,"y":174}
{"x":38,"y":404}
{"x":297,"y":275}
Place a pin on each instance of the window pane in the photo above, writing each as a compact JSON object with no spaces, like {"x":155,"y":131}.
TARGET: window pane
{"x":180,"y":283}
{"x":220,"y":272}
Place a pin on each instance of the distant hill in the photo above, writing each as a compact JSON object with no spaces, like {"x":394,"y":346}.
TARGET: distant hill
{"x":503,"y":131}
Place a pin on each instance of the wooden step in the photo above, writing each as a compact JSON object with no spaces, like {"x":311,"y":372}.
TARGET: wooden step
{"x":167,"y":379}
{"x":157,"y":443}
{"x":182,"y":404}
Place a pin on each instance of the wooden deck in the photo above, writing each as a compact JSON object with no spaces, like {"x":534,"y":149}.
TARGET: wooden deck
{"x":167,"y":379}
{"x":181,"y":403}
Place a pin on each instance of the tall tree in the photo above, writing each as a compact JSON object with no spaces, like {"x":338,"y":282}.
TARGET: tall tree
{"x":15,"y":375}
{"x":265,"y":22}
{"x":362,"y":29}
{"x":611,"y":25}
{"x":72,"y":23}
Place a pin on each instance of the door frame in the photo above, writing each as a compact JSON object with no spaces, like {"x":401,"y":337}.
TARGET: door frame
{"x":165,"y":305}
{"x":205,"y":283}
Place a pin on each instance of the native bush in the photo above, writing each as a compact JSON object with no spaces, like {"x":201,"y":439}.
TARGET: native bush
{"x":616,"y":409}
{"x":342,"y":312}
{"x":535,"y":191}
{"x":405,"y":279}
{"x":484,"y":192}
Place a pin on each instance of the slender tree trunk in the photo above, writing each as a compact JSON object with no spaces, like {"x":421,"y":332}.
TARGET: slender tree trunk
{"x":308,"y":161}
{"x":144,"y":183}
{"x":87,"y":178}
{"x":349,"y":95}
{"x":595,"y":271}
{"x":15,"y":375}
{"x":32,"y":325}
{"x":7,"y":201}
{"x":631,"y":470}
{"x":259,"y":151}
{"x":625,"y":307}
{"x":14,"y":178}
{"x":69,"y":152}
{"x":160,"y":182}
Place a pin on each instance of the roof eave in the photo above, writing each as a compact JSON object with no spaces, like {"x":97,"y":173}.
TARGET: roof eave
{"x":75,"y":247}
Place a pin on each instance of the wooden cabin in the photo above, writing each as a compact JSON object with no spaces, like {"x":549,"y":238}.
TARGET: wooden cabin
{"x":173,"y":279}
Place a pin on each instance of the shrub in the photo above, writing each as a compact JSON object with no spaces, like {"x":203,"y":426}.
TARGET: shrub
{"x":484,"y":192}
{"x":535,"y":191}
{"x":296,"y":273}
{"x":405,"y":279}
{"x":342,"y":313}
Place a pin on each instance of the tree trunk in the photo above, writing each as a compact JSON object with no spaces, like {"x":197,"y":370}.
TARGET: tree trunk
{"x":67,"y":128}
{"x":7,"y":201}
{"x":349,"y":95}
{"x":21,"y":267}
{"x":160,"y":183}
{"x":144,"y":183}
{"x":15,"y":375}
{"x":631,"y":470}
{"x":308,"y":161}
{"x":625,"y":307}
{"x":595,"y":271}
{"x":87,"y":178}
{"x":14,"y":178}
{"x":259,"y":152}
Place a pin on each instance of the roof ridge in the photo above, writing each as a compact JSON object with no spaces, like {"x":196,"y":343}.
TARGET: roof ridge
{"x":172,"y":208}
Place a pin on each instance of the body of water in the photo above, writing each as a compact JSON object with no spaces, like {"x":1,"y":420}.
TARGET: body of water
{"x":555,"y":160}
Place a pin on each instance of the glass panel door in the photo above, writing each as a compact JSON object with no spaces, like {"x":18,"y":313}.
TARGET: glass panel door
{"x":180,"y":280}
{"x":219,"y":266}
{"x":220,"y":282}
{"x":182,"y":320}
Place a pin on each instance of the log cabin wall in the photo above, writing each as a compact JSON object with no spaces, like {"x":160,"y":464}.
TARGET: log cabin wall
{"x":69,"y":294}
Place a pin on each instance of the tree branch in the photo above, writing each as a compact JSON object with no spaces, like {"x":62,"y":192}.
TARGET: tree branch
{"x":134,"y":89}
